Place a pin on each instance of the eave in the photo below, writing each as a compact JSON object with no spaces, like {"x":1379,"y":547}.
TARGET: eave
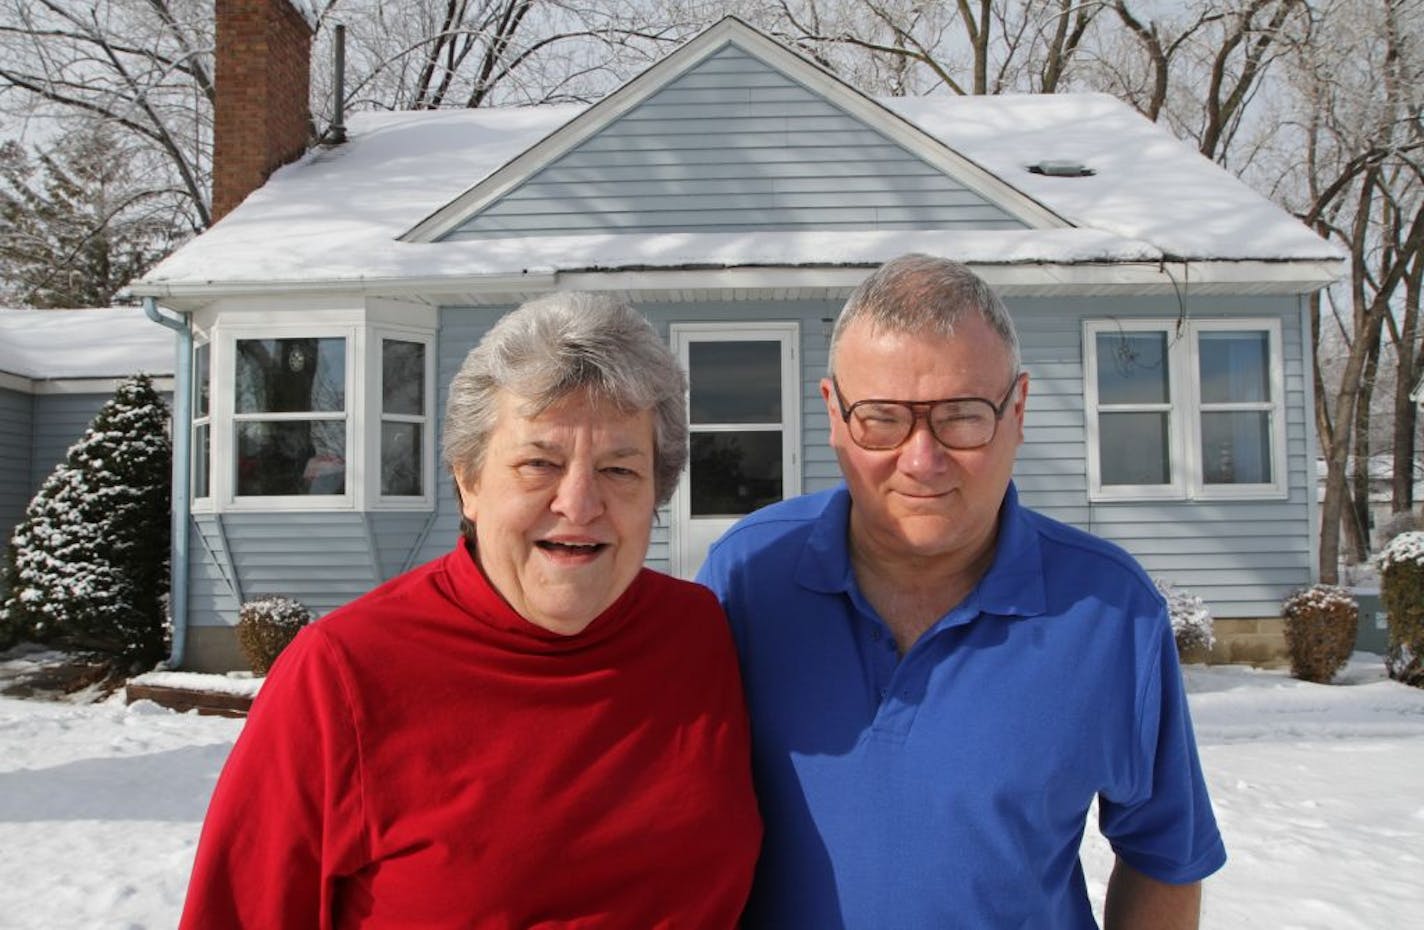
{"x":766,"y":282}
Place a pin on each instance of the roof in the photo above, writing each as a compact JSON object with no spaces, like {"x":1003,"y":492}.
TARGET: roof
{"x":336,"y":217}
{"x":100,"y":343}
{"x":306,"y":11}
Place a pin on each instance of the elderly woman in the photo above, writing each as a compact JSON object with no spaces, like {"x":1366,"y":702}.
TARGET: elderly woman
{"x":531,"y":731}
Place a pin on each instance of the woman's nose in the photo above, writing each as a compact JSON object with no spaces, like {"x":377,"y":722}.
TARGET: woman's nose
{"x":579,"y":498}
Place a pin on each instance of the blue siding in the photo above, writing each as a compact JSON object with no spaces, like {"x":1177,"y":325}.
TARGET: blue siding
{"x":16,"y":451}
{"x":1243,"y":557}
{"x":732,"y":146}
{"x":60,"y":422}
{"x":321,"y":559}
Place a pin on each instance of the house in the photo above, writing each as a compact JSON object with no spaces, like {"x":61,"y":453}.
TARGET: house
{"x":735,"y":193}
{"x":57,"y":368}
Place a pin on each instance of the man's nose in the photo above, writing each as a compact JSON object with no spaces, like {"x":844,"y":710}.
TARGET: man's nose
{"x":922,"y":453}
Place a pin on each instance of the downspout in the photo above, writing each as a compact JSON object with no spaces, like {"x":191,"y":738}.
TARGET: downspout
{"x":182,"y":452}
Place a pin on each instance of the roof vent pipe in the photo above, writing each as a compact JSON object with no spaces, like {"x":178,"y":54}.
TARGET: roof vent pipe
{"x":1062,"y":169}
{"x":336,"y":134}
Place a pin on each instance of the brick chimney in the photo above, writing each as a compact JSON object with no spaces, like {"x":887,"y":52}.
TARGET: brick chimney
{"x":262,"y":117}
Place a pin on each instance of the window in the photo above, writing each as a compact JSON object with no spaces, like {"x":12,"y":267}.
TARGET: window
{"x":289,"y":417}
{"x":744,"y":413}
{"x":734,"y":419}
{"x":1196,"y":412}
{"x":403,"y":418}
{"x":332,"y":413}
{"x":202,"y":421}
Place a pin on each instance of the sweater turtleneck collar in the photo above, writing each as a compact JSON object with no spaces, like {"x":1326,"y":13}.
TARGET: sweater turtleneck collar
{"x":471,"y":591}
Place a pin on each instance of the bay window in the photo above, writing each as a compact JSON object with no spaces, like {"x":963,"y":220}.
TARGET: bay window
{"x":1189,"y":411}
{"x":312,"y":417}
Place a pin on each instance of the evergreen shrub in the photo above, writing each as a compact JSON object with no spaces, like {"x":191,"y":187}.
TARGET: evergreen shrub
{"x":1320,"y":625}
{"x":265,"y":625}
{"x":88,"y":564}
{"x":1192,"y":624}
{"x":1401,"y":565}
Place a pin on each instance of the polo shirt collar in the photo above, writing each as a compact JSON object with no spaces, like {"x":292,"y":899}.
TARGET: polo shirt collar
{"x":1013,"y":585}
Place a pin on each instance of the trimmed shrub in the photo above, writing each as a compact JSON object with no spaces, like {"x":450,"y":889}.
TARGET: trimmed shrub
{"x":88,"y":567}
{"x":1320,"y":626}
{"x":265,"y":625}
{"x":1191,"y":620}
{"x":1401,"y":565}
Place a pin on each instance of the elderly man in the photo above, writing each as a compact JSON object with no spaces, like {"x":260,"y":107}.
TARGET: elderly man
{"x":941,"y":681}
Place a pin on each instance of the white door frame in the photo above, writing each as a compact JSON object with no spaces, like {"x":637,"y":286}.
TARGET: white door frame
{"x":688,"y":544}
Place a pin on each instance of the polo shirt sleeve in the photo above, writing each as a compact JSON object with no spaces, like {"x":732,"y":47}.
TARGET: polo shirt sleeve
{"x":286,"y":820}
{"x":1164,"y":826}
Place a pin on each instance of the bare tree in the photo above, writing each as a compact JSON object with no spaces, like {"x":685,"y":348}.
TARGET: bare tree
{"x":1362,"y":145}
{"x":143,"y":66}
{"x":432,"y":54}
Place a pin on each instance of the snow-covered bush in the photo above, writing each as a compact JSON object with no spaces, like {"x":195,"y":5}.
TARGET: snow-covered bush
{"x":1191,"y":619}
{"x":1401,"y":565}
{"x":89,"y":562}
{"x":1320,"y":625}
{"x":265,"y":625}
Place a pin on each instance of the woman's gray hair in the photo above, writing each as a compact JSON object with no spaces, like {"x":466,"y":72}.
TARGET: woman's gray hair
{"x":918,"y":293}
{"x":554,"y":346}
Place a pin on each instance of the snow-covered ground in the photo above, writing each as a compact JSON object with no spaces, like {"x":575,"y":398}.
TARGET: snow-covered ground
{"x":1319,"y":790}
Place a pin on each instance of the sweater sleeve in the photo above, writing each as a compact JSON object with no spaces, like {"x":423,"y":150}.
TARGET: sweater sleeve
{"x":286,"y":821}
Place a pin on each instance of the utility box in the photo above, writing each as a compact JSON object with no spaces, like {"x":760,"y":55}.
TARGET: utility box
{"x":1372,"y":632}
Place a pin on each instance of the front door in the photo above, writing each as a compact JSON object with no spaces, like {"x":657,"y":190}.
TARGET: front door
{"x":744,"y":415}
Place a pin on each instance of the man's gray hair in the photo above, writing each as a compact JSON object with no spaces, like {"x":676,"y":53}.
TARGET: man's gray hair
{"x":924,"y":294}
{"x":554,"y":346}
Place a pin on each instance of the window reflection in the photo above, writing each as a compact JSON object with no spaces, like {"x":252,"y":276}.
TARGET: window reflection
{"x":401,"y":468}
{"x":282,"y":457}
{"x":1132,"y":368}
{"x":402,"y":377}
{"x":291,"y":455}
{"x":1134,"y":448}
{"x":291,"y":375}
{"x":734,"y":473}
{"x":734,"y":382}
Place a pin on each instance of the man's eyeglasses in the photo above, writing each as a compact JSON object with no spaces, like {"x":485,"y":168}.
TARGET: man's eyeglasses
{"x":957,"y":423}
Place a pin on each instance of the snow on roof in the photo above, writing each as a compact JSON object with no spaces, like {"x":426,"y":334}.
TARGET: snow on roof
{"x":99,"y":343}
{"x":336,"y":214}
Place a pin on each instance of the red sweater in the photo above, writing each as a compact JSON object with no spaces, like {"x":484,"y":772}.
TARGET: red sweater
{"x":424,"y":757}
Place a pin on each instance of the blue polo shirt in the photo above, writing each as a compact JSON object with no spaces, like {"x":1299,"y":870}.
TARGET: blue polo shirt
{"x":950,"y":787}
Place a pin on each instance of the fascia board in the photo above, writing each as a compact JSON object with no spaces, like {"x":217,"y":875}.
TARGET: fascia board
{"x":1020,"y":278}
{"x":731,"y":30}
{"x":1010,"y":279}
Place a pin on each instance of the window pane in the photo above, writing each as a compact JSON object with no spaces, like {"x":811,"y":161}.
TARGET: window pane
{"x":1235,"y":366}
{"x":735,"y":382}
{"x":1133,"y":448}
{"x":291,"y":375}
{"x":734,"y":473}
{"x":401,"y":449}
{"x":1132,"y":368}
{"x":200,"y":380}
{"x":402,"y":377}
{"x":1236,"y":448}
{"x":202,"y":453}
{"x":291,"y":457}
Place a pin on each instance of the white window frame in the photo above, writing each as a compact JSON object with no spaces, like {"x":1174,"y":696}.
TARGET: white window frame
{"x":362,"y":414}
{"x":788,"y":336}
{"x":374,"y":499}
{"x":204,"y":502}
{"x":1184,"y":414}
